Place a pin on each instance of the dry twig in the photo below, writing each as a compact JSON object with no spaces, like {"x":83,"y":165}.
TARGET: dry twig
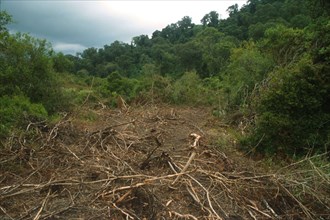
{"x":192,"y":156}
{"x":42,"y":206}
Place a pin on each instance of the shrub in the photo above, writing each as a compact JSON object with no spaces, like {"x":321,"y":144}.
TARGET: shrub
{"x":293,"y":113}
{"x":248,"y":67}
{"x":126,"y":87}
{"x":155,"y":87}
{"x":16,"y":110}
{"x":187,"y":89}
{"x":26,"y":68}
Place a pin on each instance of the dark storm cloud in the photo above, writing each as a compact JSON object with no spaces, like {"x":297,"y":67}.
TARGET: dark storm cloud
{"x":72,"y":24}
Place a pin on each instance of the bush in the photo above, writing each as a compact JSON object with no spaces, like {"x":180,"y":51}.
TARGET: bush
{"x":26,"y":68}
{"x":248,"y":67}
{"x":16,"y":111}
{"x":187,"y":89}
{"x":126,"y":87}
{"x":153,"y":86}
{"x":293,"y":113}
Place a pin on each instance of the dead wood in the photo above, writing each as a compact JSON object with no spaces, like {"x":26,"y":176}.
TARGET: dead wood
{"x":135,"y":165}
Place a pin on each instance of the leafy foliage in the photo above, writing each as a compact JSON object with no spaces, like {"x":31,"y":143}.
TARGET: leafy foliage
{"x":16,"y":111}
{"x":187,"y":88}
{"x":5,"y":19}
{"x":248,"y":67}
{"x":292,"y":113}
{"x":124,"y":86}
{"x":293,"y":107}
{"x":268,"y":59}
{"x":26,"y":67}
{"x":28,"y":84}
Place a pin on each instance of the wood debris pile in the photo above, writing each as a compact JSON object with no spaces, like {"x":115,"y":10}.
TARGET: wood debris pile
{"x":146,"y":163}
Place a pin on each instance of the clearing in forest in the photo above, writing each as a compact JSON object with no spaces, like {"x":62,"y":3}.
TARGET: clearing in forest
{"x":133,"y":164}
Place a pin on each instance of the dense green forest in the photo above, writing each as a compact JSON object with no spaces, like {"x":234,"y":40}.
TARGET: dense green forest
{"x":267,"y":64}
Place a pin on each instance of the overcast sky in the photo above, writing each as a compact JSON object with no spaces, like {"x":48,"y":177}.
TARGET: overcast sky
{"x":72,"y":25}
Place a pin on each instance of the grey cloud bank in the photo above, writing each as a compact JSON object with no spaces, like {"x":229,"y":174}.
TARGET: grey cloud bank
{"x":70,"y":26}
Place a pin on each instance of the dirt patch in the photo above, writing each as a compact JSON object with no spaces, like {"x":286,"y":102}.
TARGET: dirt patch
{"x":123,"y":165}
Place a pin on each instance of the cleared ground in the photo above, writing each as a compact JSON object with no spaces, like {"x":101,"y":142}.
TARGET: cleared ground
{"x":129,"y":164}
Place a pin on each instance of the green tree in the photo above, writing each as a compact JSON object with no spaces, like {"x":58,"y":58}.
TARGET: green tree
{"x":126,"y":87}
{"x":206,"y":41}
{"x":257,"y":31}
{"x":247,"y":68}
{"x":29,"y":89}
{"x":164,"y":57}
{"x":141,"y":41}
{"x":62,"y":63}
{"x":26,"y":66}
{"x":211,"y":19}
{"x":300,"y":21}
{"x":292,"y":113}
{"x":232,"y":10}
{"x":5,"y":19}
{"x":266,"y":12}
{"x":190,"y":56}
{"x":187,"y":89}
{"x":218,"y":57}
{"x":179,"y":32}
{"x":292,"y":106}
{"x":286,"y":45}
{"x":155,"y":87}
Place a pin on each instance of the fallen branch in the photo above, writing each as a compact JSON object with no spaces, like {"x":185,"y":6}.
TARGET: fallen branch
{"x":146,"y":162}
{"x":111,"y":127}
{"x":74,"y":154}
{"x":270,"y":208}
{"x":207,"y":196}
{"x":122,"y":211}
{"x":42,"y":206}
{"x":171,"y":164}
{"x":304,"y":208}
{"x":193,"y":154}
{"x":186,"y":216}
{"x":123,"y":197}
{"x":53,"y":132}
{"x":4,"y":211}
{"x":137,"y":185}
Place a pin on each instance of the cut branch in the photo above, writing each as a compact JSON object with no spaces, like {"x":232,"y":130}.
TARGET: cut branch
{"x":192,"y":156}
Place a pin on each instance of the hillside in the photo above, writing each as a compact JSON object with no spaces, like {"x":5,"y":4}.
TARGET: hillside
{"x":226,"y":119}
{"x":268,"y":61}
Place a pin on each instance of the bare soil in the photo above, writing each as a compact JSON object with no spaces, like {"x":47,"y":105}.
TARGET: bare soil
{"x":122,"y":165}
